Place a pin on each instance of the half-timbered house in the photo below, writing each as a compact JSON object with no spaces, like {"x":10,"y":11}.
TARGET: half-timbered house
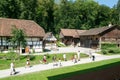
{"x":34,"y":33}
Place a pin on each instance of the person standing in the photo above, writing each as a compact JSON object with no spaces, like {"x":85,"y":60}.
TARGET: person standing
{"x":27,"y":63}
{"x":64,"y":57}
{"x":12,"y":69}
{"x":60,"y":64}
{"x":90,"y":54}
{"x":78,"y":54}
{"x":75,"y":58}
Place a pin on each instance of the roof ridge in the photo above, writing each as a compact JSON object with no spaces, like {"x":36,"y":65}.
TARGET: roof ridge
{"x":16,"y":19}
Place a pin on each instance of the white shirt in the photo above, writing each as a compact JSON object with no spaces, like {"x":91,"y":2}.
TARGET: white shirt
{"x":11,"y":65}
{"x":64,"y":55}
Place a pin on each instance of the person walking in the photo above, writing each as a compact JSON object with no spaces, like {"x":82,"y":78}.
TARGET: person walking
{"x":12,"y":68}
{"x":44,"y":59}
{"x":54,"y":60}
{"x":93,"y":57}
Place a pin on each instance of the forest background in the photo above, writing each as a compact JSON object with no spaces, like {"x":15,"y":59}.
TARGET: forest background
{"x":53,"y":15}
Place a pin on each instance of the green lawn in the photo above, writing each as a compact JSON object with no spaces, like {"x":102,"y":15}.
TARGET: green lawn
{"x":59,"y":74}
{"x":4,"y":64}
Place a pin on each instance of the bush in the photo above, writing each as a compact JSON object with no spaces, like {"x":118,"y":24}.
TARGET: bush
{"x":60,"y":44}
{"x":108,"y":45}
{"x":104,"y":51}
{"x":31,"y":57}
{"x":12,"y":56}
{"x":114,"y":50}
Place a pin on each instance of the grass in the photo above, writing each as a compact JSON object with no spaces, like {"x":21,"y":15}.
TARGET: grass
{"x":59,"y":74}
{"x":34,"y":59}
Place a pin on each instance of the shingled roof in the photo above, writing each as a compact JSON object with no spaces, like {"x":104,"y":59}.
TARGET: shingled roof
{"x":49,"y":37}
{"x":71,"y":32}
{"x":96,"y":31}
{"x":31,"y":28}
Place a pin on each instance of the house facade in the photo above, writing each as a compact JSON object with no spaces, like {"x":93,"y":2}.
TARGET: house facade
{"x":94,"y":37}
{"x":34,"y":33}
{"x":50,"y":41}
{"x":91,"y":38}
{"x":70,"y":36}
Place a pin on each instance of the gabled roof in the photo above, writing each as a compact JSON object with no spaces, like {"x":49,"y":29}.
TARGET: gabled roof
{"x":49,"y":37}
{"x":81,"y":31}
{"x":72,"y":32}
{"x":96,"y":31}
{"x":31,"y":28}
{"x":69,"y":32}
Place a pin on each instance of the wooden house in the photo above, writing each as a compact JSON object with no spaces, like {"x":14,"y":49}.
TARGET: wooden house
{"x":33,"y":31}
{"x":70,"y":36}
{"x":94,"y":37}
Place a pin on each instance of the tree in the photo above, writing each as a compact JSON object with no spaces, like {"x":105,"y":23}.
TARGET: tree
{"x":45,"y":15}
{"x":104,"y":16}
{"x":28,"y":9}
{"x":18,"y":37}
{"x":9,"y":8}
{"x":118,"y":11}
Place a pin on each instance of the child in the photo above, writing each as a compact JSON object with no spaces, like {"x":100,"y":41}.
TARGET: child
{"x":27,"y":64}
{"x":60,"y":62}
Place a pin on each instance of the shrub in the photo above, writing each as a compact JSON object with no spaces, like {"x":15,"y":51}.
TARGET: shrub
{"x":108,"y":45}
{"x":111,"y":50}
{"x":104,"y":51}
{"x":31,"y":57}
{"x":114,"y":50}
{"x":12,"y":56}
{"x":60,"y":44}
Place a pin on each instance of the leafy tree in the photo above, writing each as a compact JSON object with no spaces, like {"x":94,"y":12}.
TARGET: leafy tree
{"x":45,"y":16}
{"x":9,"y":8}
{"x":104,"y":16}
{"x":28,"y":9}
{"x":118,"y":11}
{"x":18,"y":37}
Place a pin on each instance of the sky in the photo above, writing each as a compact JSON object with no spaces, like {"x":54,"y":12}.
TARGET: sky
{"x":109,"y":3}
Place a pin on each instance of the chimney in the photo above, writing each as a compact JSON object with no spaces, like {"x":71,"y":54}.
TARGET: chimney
{"x":109,"y":25}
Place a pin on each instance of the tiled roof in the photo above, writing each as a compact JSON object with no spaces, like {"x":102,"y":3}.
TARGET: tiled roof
{"x":31,"y":28}
{"x":71,"y":32}
{"x":96,"y":31}
{"x":49,"y":37}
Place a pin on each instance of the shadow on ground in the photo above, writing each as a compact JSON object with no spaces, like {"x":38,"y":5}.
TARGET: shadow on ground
{"x":105,"y":72}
